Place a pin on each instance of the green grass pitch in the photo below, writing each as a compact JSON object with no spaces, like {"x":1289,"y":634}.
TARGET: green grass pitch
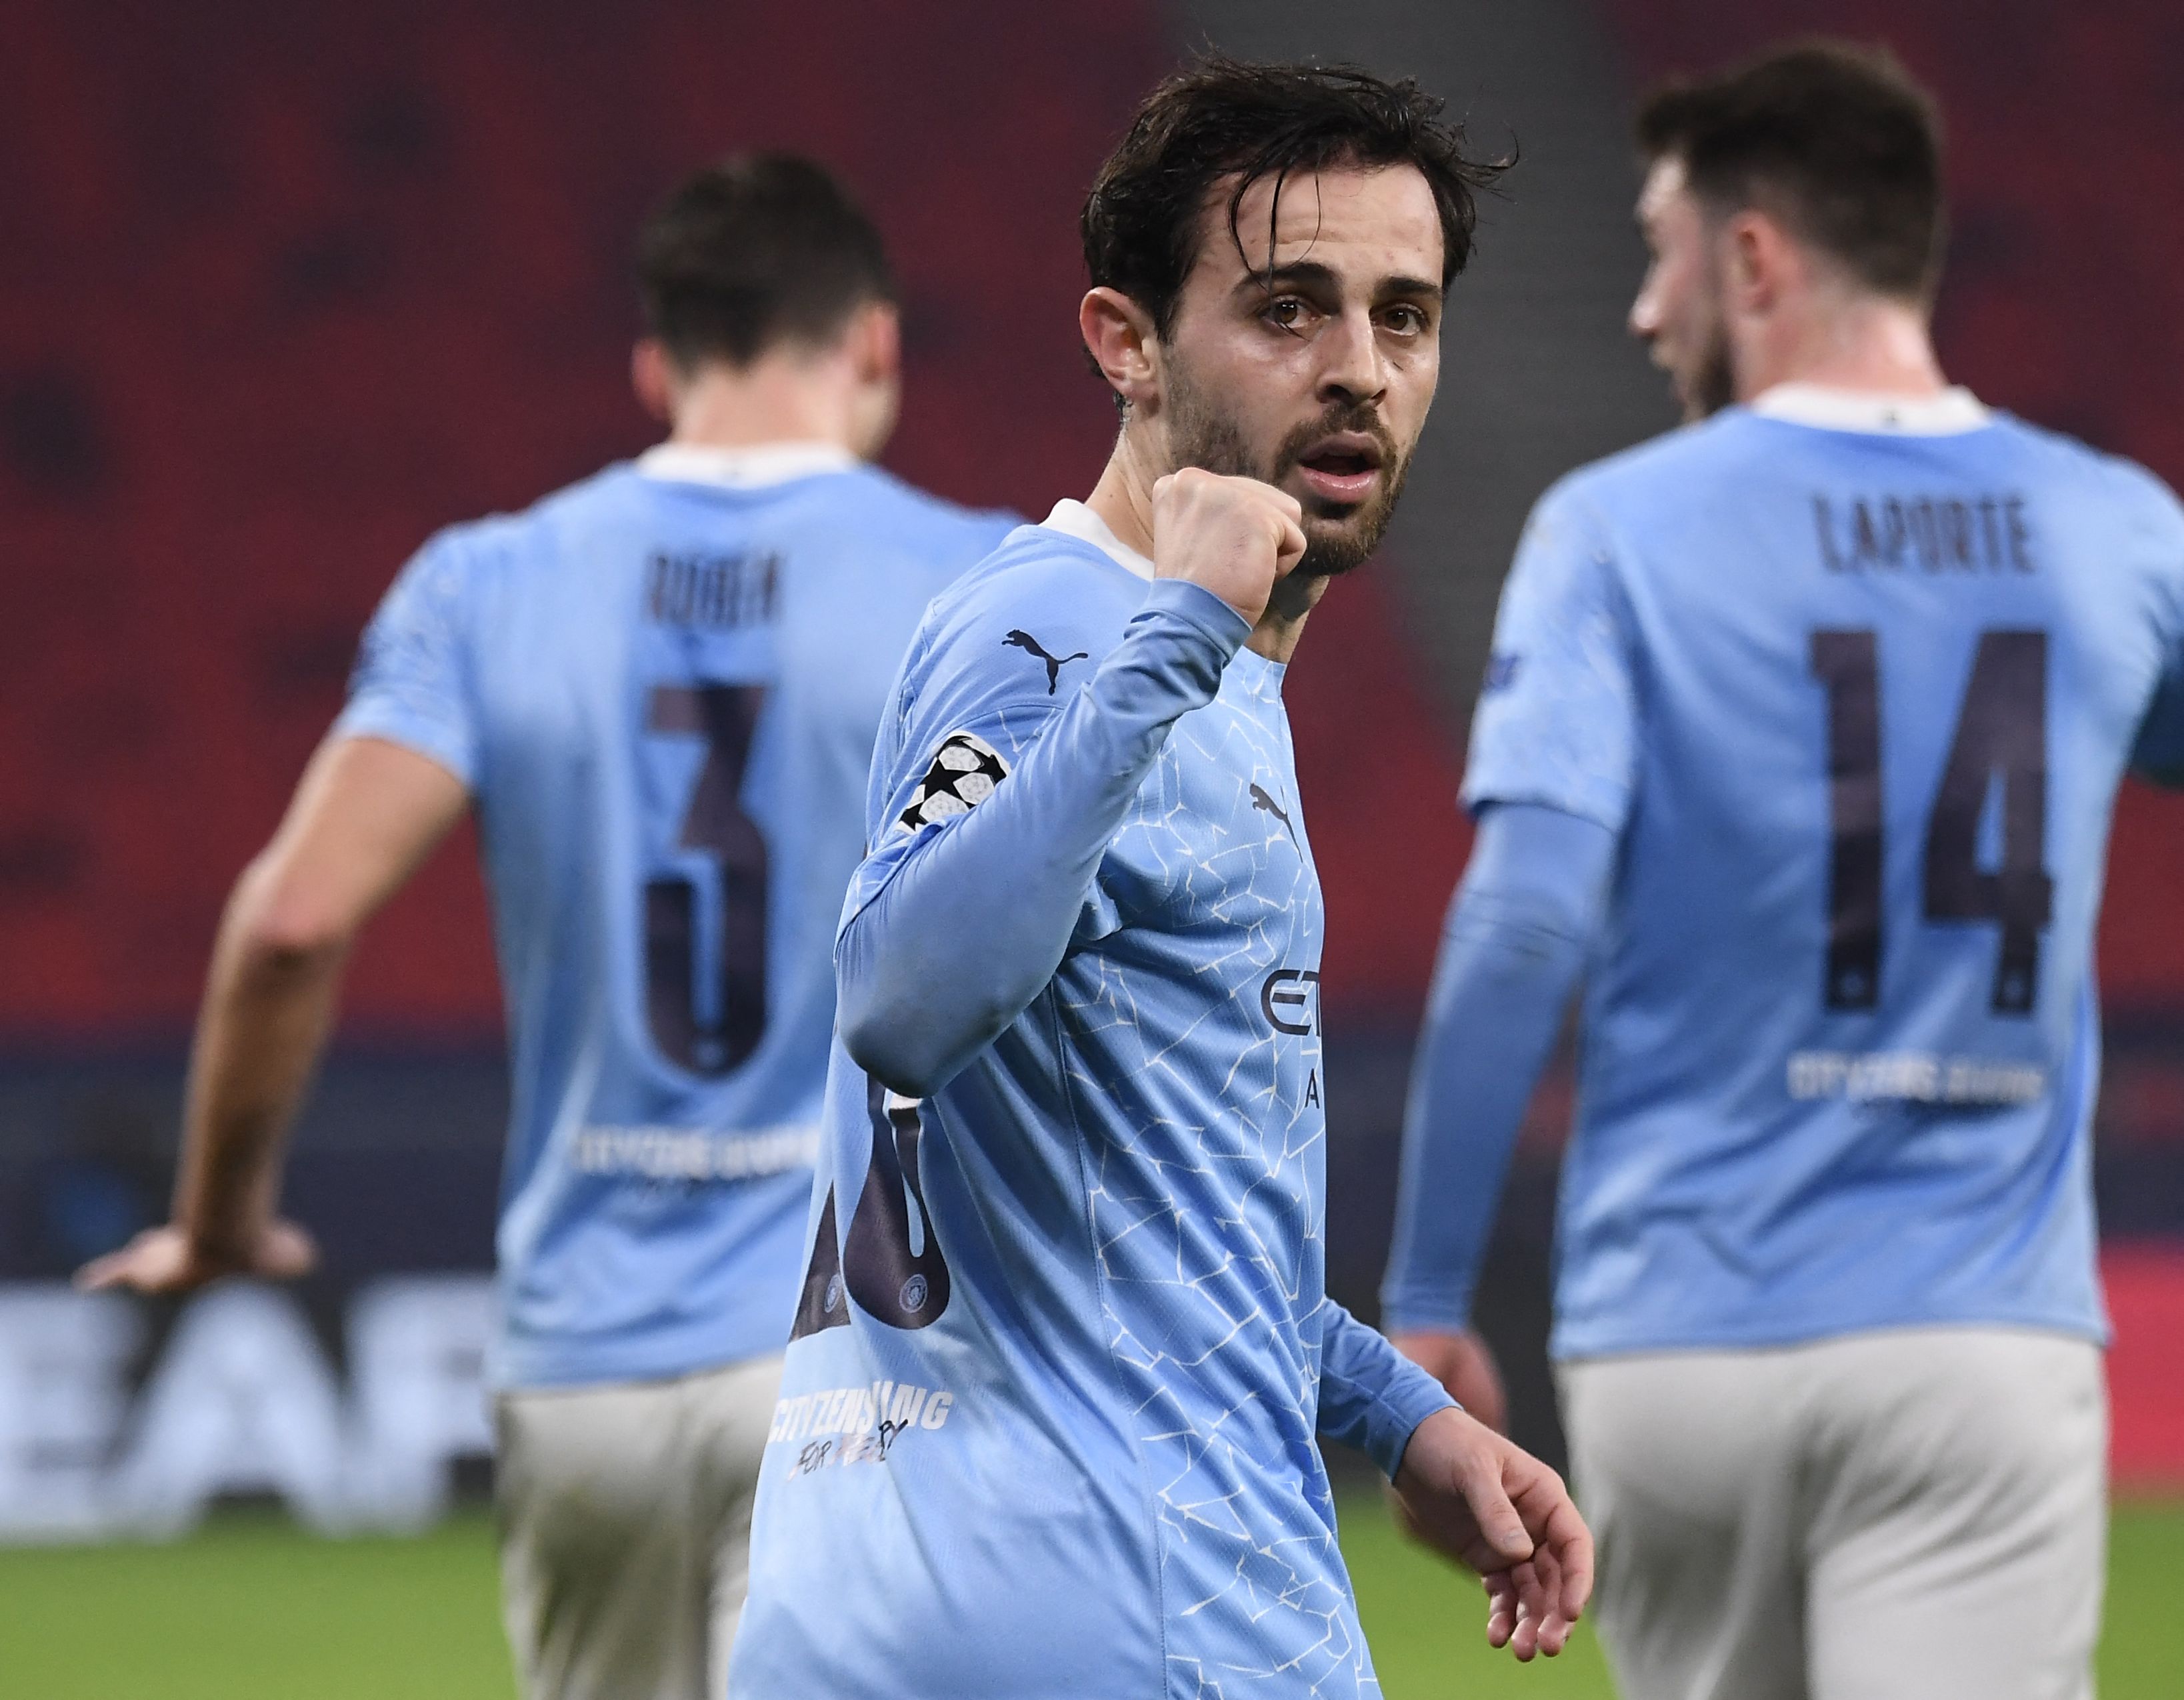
{"x":250,"y":1609}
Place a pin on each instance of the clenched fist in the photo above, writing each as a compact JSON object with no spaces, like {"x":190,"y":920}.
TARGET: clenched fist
{"x":1235,"y":537}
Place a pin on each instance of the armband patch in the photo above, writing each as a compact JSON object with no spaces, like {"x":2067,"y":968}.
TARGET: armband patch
{"x":962,"y":774}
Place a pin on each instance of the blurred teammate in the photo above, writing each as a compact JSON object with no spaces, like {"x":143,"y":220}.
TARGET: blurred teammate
{"x":659,"y":688}
{"x":1801,"y":733}
{"x":1048,"y":1422}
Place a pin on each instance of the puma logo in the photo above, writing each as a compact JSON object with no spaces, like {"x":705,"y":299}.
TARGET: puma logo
{"x":1055,"y":664}
{"x":1260,"y":800}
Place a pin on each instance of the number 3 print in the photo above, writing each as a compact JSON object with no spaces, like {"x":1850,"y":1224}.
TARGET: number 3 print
{"x":709,"y":1022}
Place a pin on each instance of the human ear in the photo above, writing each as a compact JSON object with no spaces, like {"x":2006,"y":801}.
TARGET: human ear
{"x":875,"y":341}
{"x":874,"y":348}
{"x":1759,"y":261}
{"x":652,"y":377}
{"x":1119,"y":336}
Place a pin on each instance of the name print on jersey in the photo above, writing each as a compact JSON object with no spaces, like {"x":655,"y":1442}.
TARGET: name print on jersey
{"x":839,"y":1426}
{"x":1933,"y":533}
{"x":716,"y":592}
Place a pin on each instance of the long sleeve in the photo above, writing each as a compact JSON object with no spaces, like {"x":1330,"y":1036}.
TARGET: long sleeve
{"x":1371,"y":1396}
{"x":2158,"y":752}
{"x":972,"y":903}
{"x":1514,"y":945}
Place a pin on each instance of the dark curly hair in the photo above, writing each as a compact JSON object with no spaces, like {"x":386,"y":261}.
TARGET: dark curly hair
{"x":1223,"y":119}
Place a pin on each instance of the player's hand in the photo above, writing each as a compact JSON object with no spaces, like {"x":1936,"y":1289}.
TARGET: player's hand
{"x":1464,"y":1364}
{"x":1234,"y":536}
{"x":167,"y":1260}
{"x":1469,"y":1493}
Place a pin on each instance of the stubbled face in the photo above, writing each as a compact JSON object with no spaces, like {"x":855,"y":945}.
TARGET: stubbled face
{"x":1312,"y":369}
{"x":1678,"y":313}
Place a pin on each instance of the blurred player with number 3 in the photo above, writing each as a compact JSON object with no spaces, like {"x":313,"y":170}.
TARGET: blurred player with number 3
{"x":659,"y":689}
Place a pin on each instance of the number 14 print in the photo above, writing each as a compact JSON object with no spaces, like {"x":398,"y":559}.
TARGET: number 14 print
{"x":2002,"y":734}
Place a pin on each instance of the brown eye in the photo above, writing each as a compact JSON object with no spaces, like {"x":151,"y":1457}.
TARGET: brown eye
{"x":1286,"y":311}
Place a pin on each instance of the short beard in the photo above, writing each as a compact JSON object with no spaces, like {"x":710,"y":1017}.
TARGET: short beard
{"x":1714,"y":381}
{"x":1202,"y":434}
{"x":1713,"y":385}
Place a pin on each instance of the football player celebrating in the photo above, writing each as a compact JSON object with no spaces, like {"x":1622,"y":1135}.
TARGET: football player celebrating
{"x":659,"y":688}
{"x":1804,"y":728}
{"x":1064,"y":1350}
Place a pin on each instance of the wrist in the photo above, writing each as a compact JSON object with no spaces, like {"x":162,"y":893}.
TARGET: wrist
{"x":1429,"y":1335}
{"x":1444,"y":1312}
{"x":1450,"y":1412}
{"x":1415,"y":1399}
{"x":219,"y":1243}
{"x":1205,"y":610}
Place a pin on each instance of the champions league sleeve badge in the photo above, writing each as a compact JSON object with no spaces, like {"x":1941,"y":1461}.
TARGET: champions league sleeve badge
{"x":961,"y":775}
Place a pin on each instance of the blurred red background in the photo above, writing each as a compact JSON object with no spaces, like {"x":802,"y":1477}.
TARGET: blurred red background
{"x":288,"y":288}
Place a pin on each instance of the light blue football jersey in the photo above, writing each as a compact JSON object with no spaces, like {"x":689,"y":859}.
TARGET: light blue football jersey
{"x":1048,"y":1425}
{"x":662,"y":686}
{"x":1856,"y":696}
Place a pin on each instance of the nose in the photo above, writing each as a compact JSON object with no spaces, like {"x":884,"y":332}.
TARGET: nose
{"x":1354,"y":368}
{"x":1644,"y":321}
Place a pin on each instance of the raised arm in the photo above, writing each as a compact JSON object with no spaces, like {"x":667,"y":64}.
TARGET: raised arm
{"x":973,"y":919}
{"x":366,"y":813}
{"x":962,"y":914}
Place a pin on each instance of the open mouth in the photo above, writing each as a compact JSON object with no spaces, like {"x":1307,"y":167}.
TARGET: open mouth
{"x":1342,"y":469}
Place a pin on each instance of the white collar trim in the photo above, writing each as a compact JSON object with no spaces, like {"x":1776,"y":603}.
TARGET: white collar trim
{"x":1955,"y":410}
{"x":1079,"y":521}
{"x":743,"y":469}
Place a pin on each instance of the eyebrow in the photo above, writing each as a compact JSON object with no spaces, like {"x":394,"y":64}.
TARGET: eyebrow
{"x":1311,"y":272}
{"x":1413,"y":287}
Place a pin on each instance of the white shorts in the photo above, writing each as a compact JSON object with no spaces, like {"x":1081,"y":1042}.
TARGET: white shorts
{"x":1910,"y":1515}
{"x":625,"y":1526}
